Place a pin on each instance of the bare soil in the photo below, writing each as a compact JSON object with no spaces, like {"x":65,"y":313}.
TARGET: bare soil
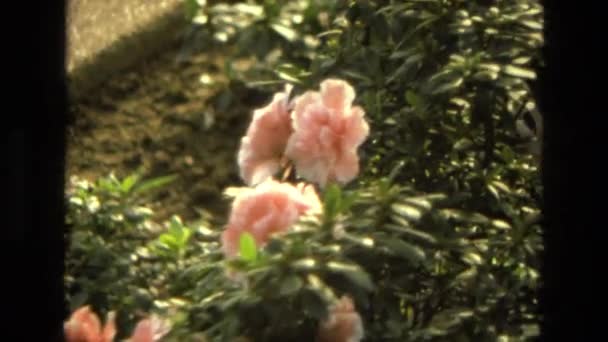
{"x":157,"y":118}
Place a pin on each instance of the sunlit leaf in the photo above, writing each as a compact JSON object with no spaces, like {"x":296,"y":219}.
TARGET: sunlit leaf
{"x":287,"y":32}
{"x":154,"y":183}
{"x":449,"y":86}
{"x":472,"y":259}
{"x":517,"y":71}
{"x":288,"y":77}
{"x":407,"y":211}
{"x":247,"y":247}
{"x":500,"y":224}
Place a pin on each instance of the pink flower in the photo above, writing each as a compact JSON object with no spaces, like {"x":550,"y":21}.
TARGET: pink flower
{"x":262,"y":147}
{"x":84,"y":326}
{"x":269,"y":208}
{"x":149,"y":330}
{"x":327,"y":133}
{"x":343,"y":324}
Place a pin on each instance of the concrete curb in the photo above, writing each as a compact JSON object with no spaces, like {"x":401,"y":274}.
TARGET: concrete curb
{"x":124,"y":52}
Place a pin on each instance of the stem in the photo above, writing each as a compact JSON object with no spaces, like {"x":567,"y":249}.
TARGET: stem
{"x":288,"y":169}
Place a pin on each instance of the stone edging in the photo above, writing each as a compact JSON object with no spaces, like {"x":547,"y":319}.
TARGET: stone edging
{"x":126,"y":51}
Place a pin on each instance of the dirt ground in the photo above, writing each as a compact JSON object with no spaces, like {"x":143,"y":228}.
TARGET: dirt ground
{"x":156,"y":118}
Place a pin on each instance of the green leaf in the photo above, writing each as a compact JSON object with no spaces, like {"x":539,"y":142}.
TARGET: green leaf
{"x":455,"y":84}
{"x":306,"y":264}
{"x":406,"y":250}
{"x":493,"y":191}
{"x":466,"y":276}
{"x":78,"y":300}
{"x":449,"y":318}
{"x":290,"y":285}
{"x":354,"y":273}
{"x":154,"y":183}
{"x":348,"y":199}
{"x":517,"y":71}
{"x":501,"y":186}
{"x":286,"y":32}
{"x":185,"y":234}
{"x":472,"y":259}
{"x":485,"y":75}
{"x":500,"y":224}
{"x":535,"y":25}
{"x":288,"y":77}
{"x":399,"y":54}
{"x":412,"y":98}
{"x":463,"y":144}
{"x":411,"y":232}
{"x":175,"y":223}
{"x":168,"y":241}
{"x":253,"y":10}
{"x":396,"y":170}
{"x":409,"y":212}
{"x":329,"y":33}
{"x":247,"y":247}
{"x":332,"y":201}
{"x":443,"y":74}
{"x":191,"y":7}
{"x":314,"y":304}
{"x":128,"y":182}
{"x":419,"y":202}
{"x":358,"y":75}
{"x":489,"y":67}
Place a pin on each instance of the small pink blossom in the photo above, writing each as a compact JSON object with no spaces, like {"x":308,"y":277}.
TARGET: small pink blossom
{"x":328,"y":130}
{"x":84,"y":326}
{"x":269,"y":208}
{"x":343,"y":324}
{"x":149,"y":330}
{"x":262,"y":147}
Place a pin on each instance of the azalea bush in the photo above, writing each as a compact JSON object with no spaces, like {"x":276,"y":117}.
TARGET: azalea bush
{"x":390,"y":191}
{"x":450,"y":163}
{"x":118,"y":258}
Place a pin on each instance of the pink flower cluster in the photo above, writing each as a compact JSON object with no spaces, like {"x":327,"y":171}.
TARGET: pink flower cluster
{"x":84,"y":326}
{"x":269,"y":208}
{"x":343,"y":324}
{"x":319,"y":132}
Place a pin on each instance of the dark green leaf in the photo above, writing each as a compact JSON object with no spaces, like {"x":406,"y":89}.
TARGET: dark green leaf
{"x":154,"y":183}
{"x":191,"y":8}
{"x":411,"y":232}
{"x":313,"y":303}
{"x":290,"y":285}
{"x":406,"y":250}
{"x":353,"y":272}
{"x":463,"y":144}
{"x":412,"y":98}
{"x":448,"y":319}
{"x":332,"y":201}
{"x":396,"y":170}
